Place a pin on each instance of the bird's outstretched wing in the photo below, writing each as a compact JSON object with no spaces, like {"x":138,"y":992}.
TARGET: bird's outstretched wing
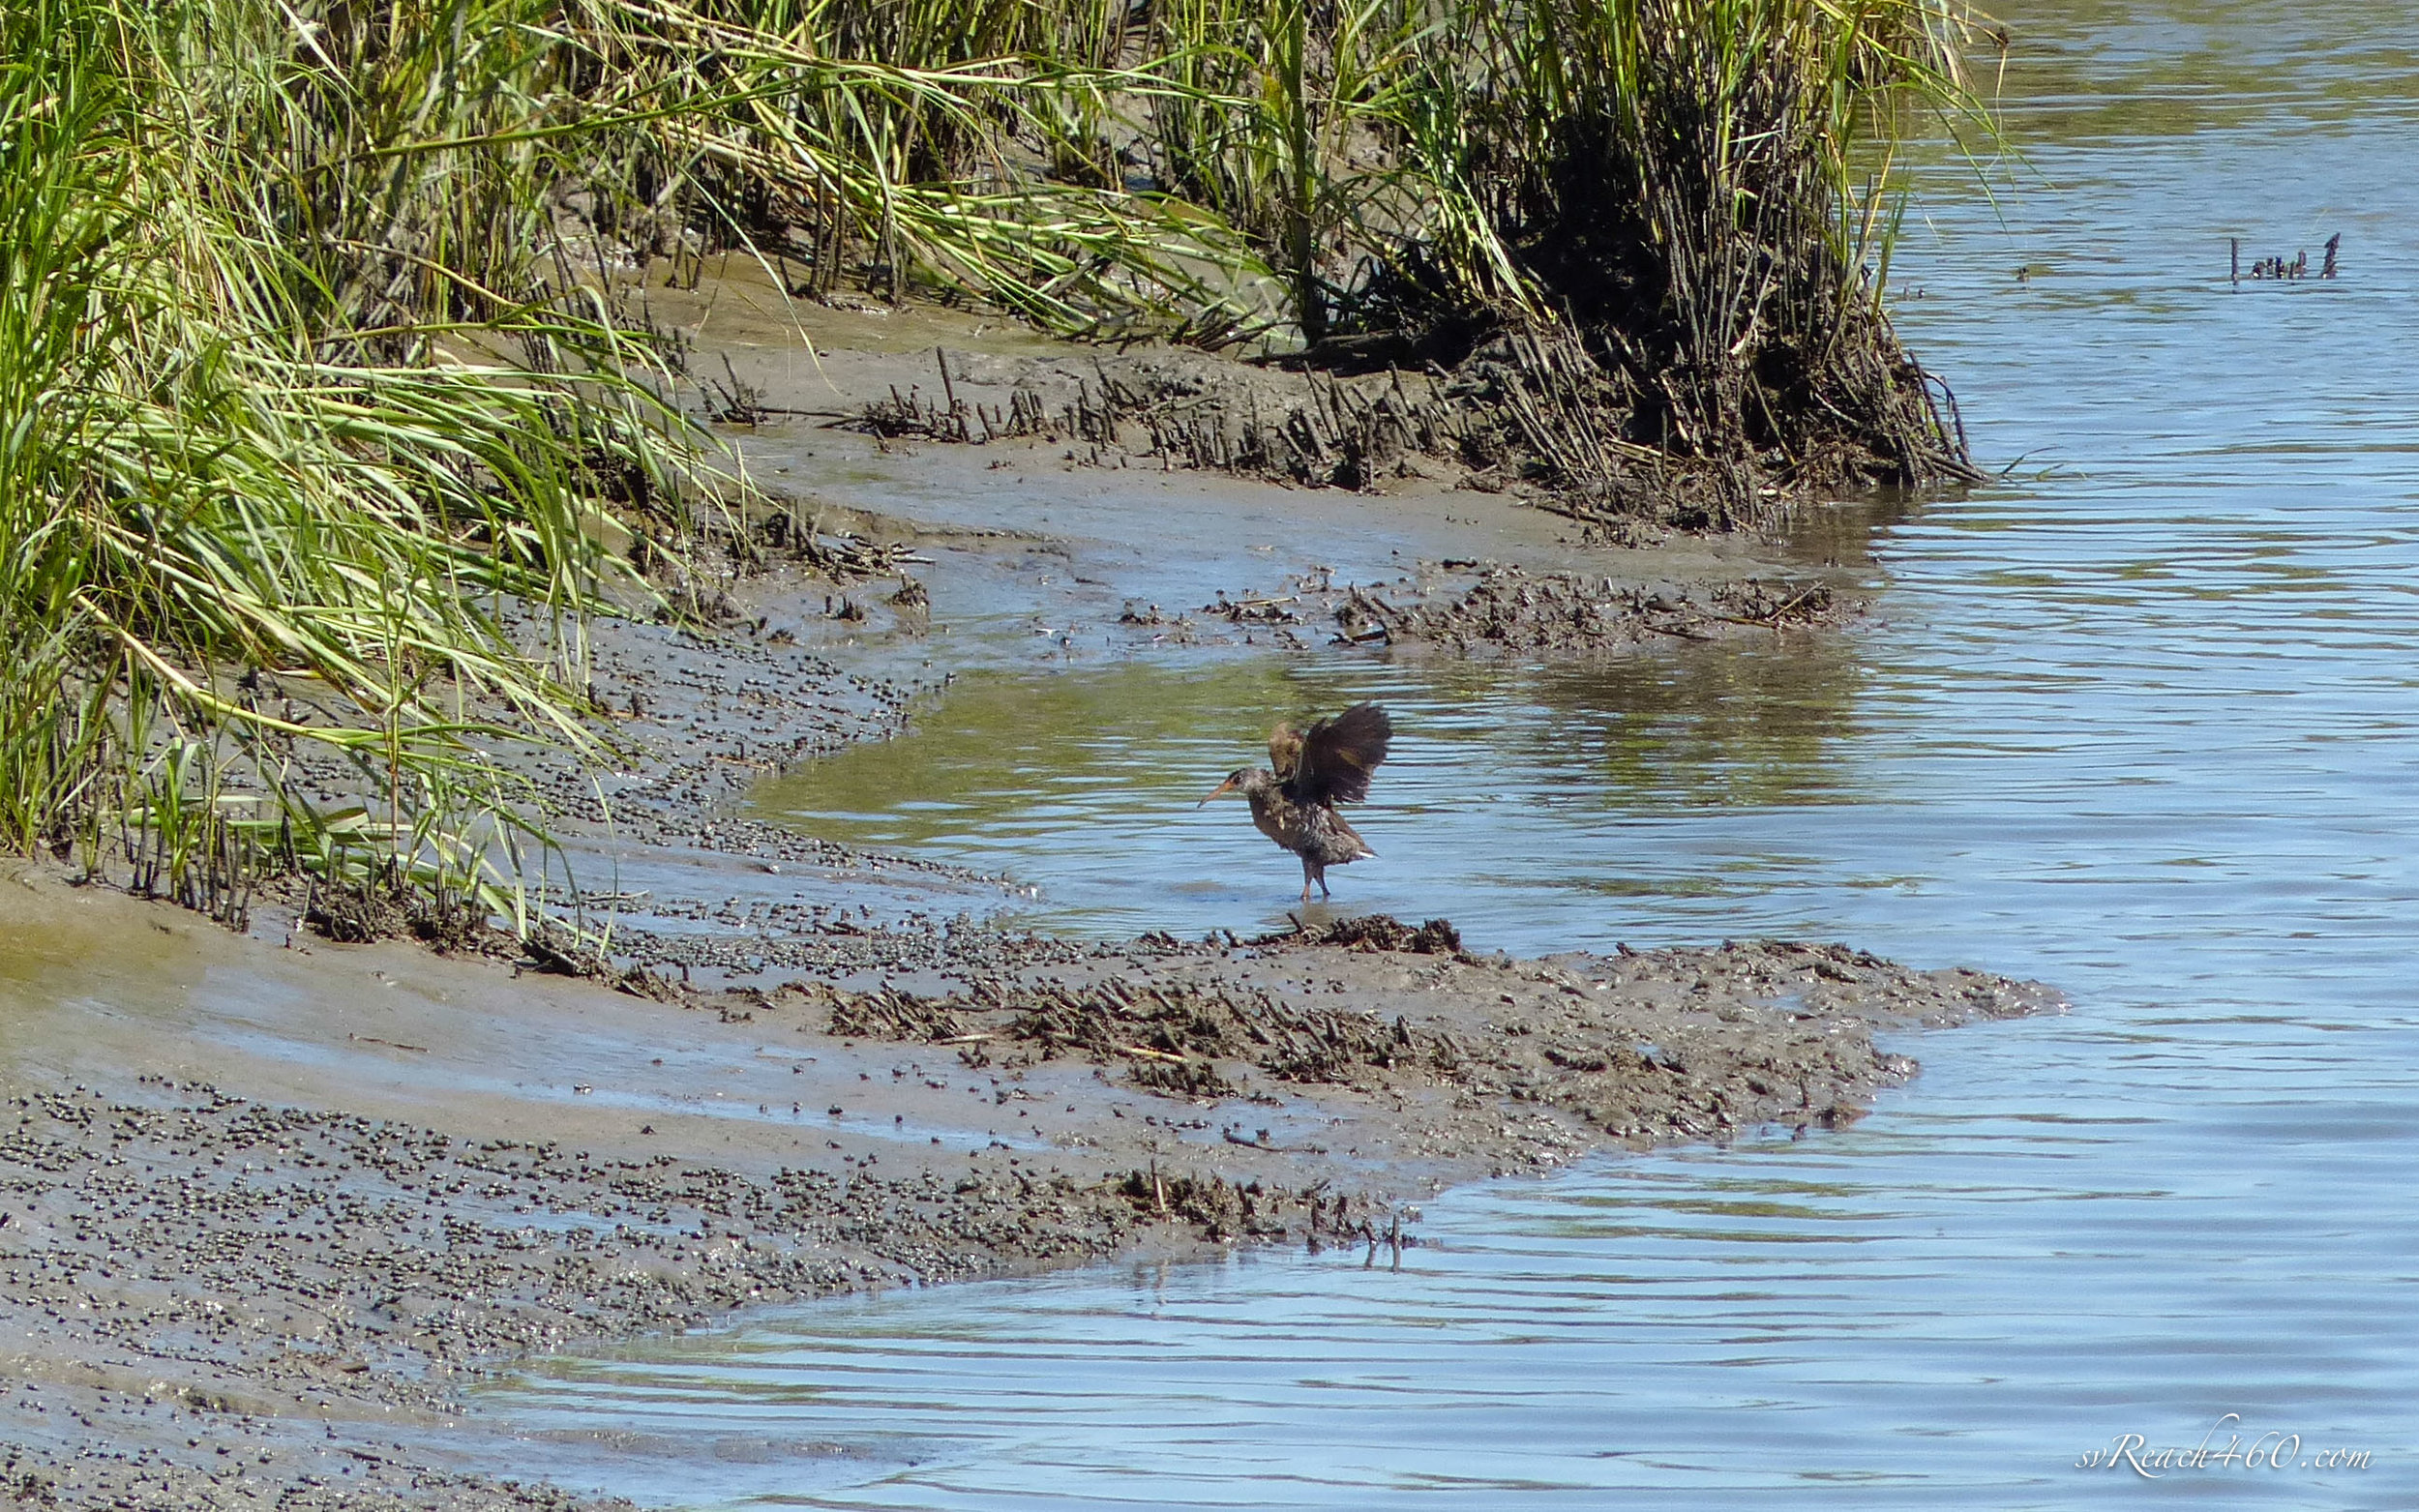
{"x":1284,"y":750}
{"x":1338,"y":754}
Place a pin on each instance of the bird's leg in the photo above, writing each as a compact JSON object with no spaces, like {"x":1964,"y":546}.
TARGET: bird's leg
{"x":1306,"y":878}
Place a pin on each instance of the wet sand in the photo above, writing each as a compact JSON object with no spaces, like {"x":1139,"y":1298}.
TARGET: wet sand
{"x":269,"y":1198}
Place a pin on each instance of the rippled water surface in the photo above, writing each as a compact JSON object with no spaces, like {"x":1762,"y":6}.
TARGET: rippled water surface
{"x":2142,"y":721}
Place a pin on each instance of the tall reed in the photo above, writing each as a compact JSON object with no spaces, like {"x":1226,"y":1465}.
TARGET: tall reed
{"x":1700,"y":193}
{"x":1703,"y":190}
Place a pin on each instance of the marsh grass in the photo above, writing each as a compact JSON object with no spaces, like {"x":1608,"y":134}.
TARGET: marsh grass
{"x":241,"y":436}
{"x":1703,"y":192}
{"x":1690,"y":202}
{"x":311,"y":377}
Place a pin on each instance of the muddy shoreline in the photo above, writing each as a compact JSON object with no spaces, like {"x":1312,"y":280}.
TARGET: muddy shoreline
{"x":268,"y":1198}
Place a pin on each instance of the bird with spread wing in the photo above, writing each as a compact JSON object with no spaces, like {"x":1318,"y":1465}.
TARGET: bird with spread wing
{"x":1313,"y":771}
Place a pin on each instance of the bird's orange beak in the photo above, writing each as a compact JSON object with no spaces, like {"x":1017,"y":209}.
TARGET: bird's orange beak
{"x":1221,"y":791}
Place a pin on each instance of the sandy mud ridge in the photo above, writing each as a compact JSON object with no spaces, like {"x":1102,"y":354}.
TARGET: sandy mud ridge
{"x":211,"y":1301}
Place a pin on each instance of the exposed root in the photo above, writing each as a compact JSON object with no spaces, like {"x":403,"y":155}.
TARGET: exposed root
{"x":1527,"y":410}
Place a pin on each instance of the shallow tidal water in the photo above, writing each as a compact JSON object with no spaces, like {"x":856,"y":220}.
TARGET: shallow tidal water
{"x":2141,"y":720}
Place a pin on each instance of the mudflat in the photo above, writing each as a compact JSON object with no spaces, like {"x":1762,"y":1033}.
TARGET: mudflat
{"x":270,"y":1198}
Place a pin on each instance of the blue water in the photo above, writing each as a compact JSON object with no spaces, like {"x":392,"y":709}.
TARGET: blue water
{"x":2141,"y":720}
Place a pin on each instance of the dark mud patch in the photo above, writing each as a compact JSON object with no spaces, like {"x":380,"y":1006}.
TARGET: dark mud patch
{"x":1640,"y":1046}
{"x":1169,"y":1035}
{"x":1483,"y":609}
{"x":216,"y":1302}
{"x":1512,"y":611}
{"x":1538,"y":417}
{"x":1375,"y":932}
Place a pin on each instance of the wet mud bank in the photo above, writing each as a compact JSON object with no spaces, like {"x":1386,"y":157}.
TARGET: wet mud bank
{"x":268,"y":1198}
{"x":266,"y":1207}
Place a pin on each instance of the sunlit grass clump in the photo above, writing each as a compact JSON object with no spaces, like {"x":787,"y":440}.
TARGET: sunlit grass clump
{"x":1689,"y":205}
{"x":255,"y":421}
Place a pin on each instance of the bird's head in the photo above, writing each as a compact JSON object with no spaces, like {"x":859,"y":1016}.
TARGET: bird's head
{"x":1237,"y":780}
